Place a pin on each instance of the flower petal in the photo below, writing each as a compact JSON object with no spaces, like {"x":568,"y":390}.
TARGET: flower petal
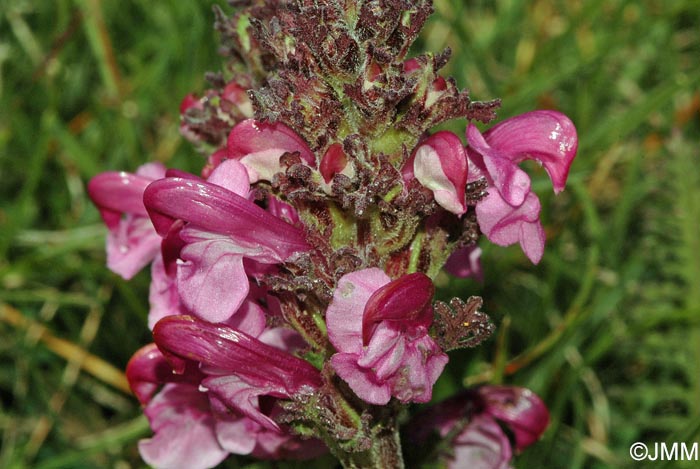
{"x":466,"y":262}
{"x":404,"y":299}
{"x":115,"y":193}
{"x":546,"y":136}
{"x":231,"y":175}
{"x":211,"y":281}
{"x":148,"y":370}
{"x":520,"y":409}
{"x":512,"y":182}
{"x":219,"y":347}
{"x":481,"y":445}
{"x":344,"y":314}
{"x":131,"y":245}
{"x":363,"y":381}
{"x":241,"y":396}
{"x":215,"y":209}
{"x":163,"y":296}
{"x":259,"y":146}
{"x":440,"y":164}
{"x":184,"y":431}
{"x":504,"y":224}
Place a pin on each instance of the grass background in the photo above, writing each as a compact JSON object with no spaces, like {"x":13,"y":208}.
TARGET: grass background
{"x":605,"y":329}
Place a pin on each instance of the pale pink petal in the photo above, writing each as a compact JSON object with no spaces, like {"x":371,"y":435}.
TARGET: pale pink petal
{"x":211,"y":280}
{"x":132,"y":242}
{"x":132,"y":245}
{"x":163,"y":296}
{"x":423,"y":365}
{"x":237,"y":435}
{"x":362,"y":381}
{"x":184,"y":430}
{"x":284,"y":339}
{"x":344,"y":314}
{"x":504,"y":224}
{"x":242,"y":397}
{"x":512,"y":182}
{"x":231,"y":175}
{"x":385,"y":352}
{"x":250,"y":318}
{"x":154,"y":170}
{"x":481,"y":445}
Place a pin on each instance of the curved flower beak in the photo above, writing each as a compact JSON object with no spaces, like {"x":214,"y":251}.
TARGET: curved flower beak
{"x":406,"y":299}
{"x":240,"y":367}
{"x":215,"y":209}
{"x":548,"y":137}
{"x":259,"y":146}
{"x":148,"y":369}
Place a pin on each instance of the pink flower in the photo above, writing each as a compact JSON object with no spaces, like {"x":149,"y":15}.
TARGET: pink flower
{"x":222,"y":227}
{"x":440,"y":164}
{"x":510,"y":213}
{"x":132,"y":243}
{"x":482,"y":443}
{"x":380,"y":329}
{"x":184,"y":427}
{"x":259,"y":146}
{"x":196,"y":426}
{"x":238,"y":367}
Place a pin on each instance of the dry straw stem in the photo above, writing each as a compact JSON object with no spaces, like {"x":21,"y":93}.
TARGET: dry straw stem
{"x":67,"y":350}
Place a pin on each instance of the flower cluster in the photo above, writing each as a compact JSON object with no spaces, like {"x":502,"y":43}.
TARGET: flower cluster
{"x":291,"y":298}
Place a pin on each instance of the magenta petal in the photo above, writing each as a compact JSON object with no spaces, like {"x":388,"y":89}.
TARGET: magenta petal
{"x":282,"y":210}
{"x":404,"y":299}
{"x":466,"y":262}
{"x":115,"y":193}
{"x":148,"y":370}
{"x":259,"y":146}
{"x":333,"y":162}
{"x":504,"y":224}
{"x":546,"y":136}
{"x":220,"y":347}
{"x":211,"y":281}
{"x":512,"y":182}
{"x":440,"y":164}
{"x":362,"y":381}
{"x":344,"y":314}
{"x":184,"y":431}
{"x":519,"y":408}
{"x":212,"y":208}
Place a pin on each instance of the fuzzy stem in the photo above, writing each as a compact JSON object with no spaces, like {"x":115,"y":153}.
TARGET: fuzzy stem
{"x":385,"y":452}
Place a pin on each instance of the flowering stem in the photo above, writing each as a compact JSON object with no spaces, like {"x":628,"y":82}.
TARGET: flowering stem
{"x":385,"y":451}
